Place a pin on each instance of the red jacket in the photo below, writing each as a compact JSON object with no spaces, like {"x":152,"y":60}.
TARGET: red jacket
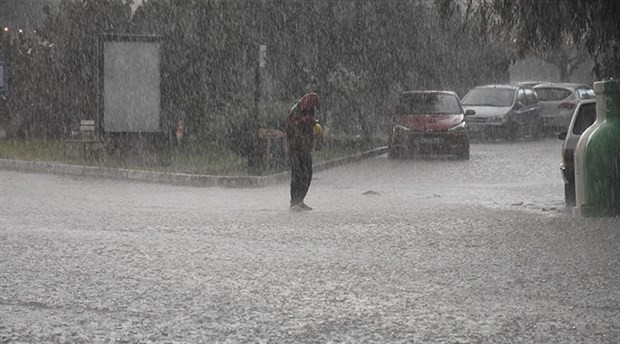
{"x":300,"y":132}
{"x":300,"y":124}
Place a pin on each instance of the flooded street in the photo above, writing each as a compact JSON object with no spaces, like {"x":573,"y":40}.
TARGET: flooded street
{"x":396,"y":251}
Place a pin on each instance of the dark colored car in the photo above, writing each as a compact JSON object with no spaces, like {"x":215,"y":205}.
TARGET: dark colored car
{"x":558,"y":102}
{"x":503,"y":111}
{"x":583,"y":117}
{"x":429,"y":122}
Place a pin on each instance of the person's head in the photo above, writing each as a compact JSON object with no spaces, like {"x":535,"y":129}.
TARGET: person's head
{"x":309,"y":103}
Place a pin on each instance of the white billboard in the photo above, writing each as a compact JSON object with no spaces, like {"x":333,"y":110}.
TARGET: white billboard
{"x":131,"y":85}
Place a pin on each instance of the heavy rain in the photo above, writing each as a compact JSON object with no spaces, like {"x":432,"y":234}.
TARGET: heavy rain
{"x":152,"y":181}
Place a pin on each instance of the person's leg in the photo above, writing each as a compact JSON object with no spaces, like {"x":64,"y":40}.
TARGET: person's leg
{"x":306,"y":178}
{"x":296,"y":178}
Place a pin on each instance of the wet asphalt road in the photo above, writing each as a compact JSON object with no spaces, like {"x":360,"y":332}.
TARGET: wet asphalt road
{"x":422,"y":251}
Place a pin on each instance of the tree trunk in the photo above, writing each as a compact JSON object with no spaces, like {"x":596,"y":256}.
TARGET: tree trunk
{"x":564,"y":72}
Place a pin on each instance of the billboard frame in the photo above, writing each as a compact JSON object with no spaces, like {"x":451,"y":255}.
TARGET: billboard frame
{"x":101,"y":39}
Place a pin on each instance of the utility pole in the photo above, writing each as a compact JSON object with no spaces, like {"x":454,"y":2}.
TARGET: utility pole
{"x":4,"y":77}
{"x":262,"y":62}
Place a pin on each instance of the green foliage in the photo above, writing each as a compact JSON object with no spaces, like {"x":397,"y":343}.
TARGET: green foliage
{"x":186,"y":158}
{"x":34,"y":149}
{"x":358,"y":55}
{"x":274,"y":114}
{"x":53,"y":71}
{"x":548,"y":26}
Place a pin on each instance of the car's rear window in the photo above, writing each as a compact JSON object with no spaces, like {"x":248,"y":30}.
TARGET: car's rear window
{"x":547,"y":94}
{"x":502,"y":97}
{"x":585,"y":118}
{"x":428,"y":103}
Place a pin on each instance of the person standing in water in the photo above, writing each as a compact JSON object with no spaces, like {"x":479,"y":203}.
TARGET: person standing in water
{"x":302,"y":131}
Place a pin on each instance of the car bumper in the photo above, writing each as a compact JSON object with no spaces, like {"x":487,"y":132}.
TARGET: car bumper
{"x":479,"y":130}
{"x":431,"y":143}
{"x":557,"y":122}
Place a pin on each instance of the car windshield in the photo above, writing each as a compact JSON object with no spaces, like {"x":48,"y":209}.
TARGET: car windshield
{"x":547,"y":94}
{"x":489,"y":97}
{"x":428,"y":103}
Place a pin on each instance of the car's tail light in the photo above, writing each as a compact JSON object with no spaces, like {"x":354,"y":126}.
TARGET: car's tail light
{"x":568,"y":105}
{"x":567,"y":154}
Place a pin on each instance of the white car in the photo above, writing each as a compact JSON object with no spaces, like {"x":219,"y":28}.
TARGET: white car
{"x":558,"y":102}
{"x":583,"y":117}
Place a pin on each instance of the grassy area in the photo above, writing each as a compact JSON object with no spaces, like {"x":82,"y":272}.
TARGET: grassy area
{"x":190,"y":158}
{"x":199,"y":160}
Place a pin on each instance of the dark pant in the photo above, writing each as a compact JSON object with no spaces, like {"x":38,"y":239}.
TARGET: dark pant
{"x":301,"y":176}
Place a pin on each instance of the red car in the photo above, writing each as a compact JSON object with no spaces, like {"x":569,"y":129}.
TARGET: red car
{"x":429,"y":123}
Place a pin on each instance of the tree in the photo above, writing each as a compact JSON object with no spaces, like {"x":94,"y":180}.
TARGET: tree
{"x":359,"y":55}
{"x":566,"y":58}
{"x":70,"y":86}
{"x":545,"y":26}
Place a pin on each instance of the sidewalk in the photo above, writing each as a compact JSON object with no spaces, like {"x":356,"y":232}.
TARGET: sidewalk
{"x":198,"y":180}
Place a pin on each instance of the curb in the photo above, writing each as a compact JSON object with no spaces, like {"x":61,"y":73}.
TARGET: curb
{"x":187,"y":179}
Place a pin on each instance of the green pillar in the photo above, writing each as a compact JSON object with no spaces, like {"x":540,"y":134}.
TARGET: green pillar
{"x":601,"y":160}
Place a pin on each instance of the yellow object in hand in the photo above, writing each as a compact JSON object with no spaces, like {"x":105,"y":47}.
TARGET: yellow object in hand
{"x":318,"y":129}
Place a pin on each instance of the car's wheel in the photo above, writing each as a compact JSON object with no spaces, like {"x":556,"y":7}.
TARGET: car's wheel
{"x":538,"y":130}
{"x":569,"y":195}
{"x":464,"y":154}
{"x":394,"y":153}
{"x":513,"y":131}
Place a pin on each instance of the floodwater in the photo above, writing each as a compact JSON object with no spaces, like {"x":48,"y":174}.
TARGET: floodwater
{"x":428,"y":250}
